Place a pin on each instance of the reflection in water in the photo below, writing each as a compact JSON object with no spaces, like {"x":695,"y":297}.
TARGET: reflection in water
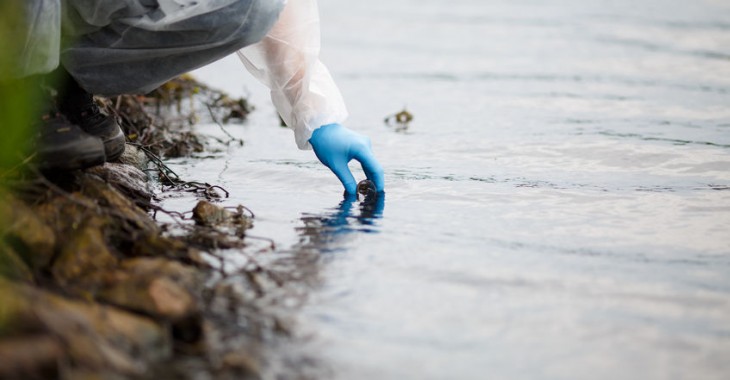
{"x":289,"y":281}
{"x":255,"y":304}
{"x":329,"y":231}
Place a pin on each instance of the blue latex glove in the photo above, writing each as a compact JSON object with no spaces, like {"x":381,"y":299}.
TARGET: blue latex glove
{"x":336,"y":145}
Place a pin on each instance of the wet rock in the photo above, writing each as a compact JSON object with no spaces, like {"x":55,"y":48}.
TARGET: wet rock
{"x":117,"y":205}
{"x":366,"y":188}
{"x":129,"y":180}
{"x":224,"y":228}
{"x":208,"y":214}
{"x":135,"y":157}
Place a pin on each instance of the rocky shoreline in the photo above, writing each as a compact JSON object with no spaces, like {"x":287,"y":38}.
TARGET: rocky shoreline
{"x":93,"y":287}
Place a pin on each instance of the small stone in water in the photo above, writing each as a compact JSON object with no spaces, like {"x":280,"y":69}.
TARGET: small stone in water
{"x":366,"y":187}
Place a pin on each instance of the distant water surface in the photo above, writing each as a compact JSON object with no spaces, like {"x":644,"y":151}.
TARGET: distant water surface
{"x":558,"y":209}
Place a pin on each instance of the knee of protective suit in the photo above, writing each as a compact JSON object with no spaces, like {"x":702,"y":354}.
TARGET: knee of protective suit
{"x":167,"y":41}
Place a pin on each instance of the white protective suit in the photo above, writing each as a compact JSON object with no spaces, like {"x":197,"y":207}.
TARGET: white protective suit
{"x":287,"y":61}
{"x":113,"y":47}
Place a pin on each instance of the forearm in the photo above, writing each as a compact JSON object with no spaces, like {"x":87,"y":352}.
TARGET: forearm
{"x":287,"y":61}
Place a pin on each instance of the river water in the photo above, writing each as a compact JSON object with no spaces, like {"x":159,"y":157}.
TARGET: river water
{"x":558,"y":209}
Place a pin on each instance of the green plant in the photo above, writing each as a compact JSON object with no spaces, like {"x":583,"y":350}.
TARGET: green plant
{"x":17,"y":95}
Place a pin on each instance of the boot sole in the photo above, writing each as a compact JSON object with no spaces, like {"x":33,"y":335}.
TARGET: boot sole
{"x":79,"y":156}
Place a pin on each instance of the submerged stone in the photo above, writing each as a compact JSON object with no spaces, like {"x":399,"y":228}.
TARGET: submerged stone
{"x":366,"y":187}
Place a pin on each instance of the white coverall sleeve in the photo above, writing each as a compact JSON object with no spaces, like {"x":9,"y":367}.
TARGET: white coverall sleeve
{"x":287,"y":61}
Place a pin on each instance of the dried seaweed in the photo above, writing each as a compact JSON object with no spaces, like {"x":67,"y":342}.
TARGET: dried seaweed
{"x":162,"y":121}
{"x":399,"y":120}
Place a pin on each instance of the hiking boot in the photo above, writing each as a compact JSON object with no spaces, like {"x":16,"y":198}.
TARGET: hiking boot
{"x":62,"y":145}
{"x":81,"y":109}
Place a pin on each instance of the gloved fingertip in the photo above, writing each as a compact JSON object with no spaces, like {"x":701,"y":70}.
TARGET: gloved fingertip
{"x":349,"y":197}
{"x":372,"y":169}
{"x":379,"y":182}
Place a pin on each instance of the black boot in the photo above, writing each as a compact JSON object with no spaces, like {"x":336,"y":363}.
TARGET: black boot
{"x":62,"y":145}
{"x":81,"y":109}
{"x":59,"y":145}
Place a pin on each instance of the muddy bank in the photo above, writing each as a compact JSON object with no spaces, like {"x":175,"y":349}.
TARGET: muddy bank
{"x":93,"y":286}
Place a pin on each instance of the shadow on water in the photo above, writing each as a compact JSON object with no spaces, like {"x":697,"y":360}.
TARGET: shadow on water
{"x":331,"y":230}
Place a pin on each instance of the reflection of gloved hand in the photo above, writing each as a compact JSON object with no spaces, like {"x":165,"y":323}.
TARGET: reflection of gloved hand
{"x":336,"y":145}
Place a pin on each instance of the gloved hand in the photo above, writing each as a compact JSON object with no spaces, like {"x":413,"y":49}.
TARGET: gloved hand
{"x":336,"y":145}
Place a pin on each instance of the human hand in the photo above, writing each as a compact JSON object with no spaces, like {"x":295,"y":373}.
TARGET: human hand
{"x":336,"y":145}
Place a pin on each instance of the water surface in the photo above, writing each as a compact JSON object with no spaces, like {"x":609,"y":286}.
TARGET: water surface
{"x":558,"y":209}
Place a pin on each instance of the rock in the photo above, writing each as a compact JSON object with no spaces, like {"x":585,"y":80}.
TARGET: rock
{"x":118,"y":206}
{"x":129,"y":180}
{"x":226,"y":228}
{"x":103,"y":337}
{"x":208,"y":214}
{"x":87,"y":234}
{"x":157,"y":245}
{"x":242,"y":363}
{"x":121,"y":223}
{"x":366,"y":187}
{"x":30,"y":357}
{"x":93,"y":337}
{"x":86,"y":374}
{"x":135,"y":157}
{"x":29,"y":236}
{"x":215,"y":239}
{"x":15,"y":316}
{"x":84,"y":252}
{"x":12,"y":266}
{"x":157,"y":287}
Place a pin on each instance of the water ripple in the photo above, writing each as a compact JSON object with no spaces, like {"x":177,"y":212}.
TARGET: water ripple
{"x":535,"y":77}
